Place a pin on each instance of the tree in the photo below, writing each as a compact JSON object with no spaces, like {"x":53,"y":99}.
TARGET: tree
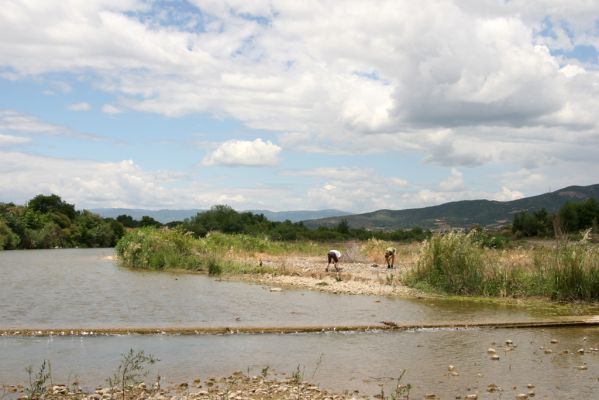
{"x":127,"y":221}
{"x":52,"y":203}
{"x":8,"y":239}
{"x":343,"y":227}
{"x":149,"y":221}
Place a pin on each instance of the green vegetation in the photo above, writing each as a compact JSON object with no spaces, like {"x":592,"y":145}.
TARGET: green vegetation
{"x":216,"y":253}
{"x":457,"y":263}
{"x":571,"y":218}
{"x":131,"y":370}
{"x":37,"y":382}
{"x":49,"y":222}
{"x":225,"y":219}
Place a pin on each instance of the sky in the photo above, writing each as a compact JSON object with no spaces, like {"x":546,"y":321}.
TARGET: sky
{"x":296,"y":105}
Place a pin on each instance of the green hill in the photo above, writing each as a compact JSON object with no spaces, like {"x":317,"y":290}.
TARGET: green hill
{"x":462,"y":214}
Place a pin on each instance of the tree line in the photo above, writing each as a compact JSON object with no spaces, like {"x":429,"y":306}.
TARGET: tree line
{"x":571,"y":217}
{"x":49,"y":222}
{"x":225,"y":219}
{"x":46,"y":221}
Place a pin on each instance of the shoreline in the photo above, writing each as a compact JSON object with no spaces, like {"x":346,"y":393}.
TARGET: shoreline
{"x":237,"y":386}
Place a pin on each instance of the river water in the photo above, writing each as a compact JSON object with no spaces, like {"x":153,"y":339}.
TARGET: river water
{"x":87,"y":289}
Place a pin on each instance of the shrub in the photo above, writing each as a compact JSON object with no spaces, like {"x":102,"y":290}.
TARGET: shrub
{"x":131,"y":370}
{"x":150,"y":248}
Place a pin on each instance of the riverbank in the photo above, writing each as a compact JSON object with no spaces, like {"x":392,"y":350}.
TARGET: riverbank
{"x":237,"y":386}
{"x":450,"y":264}
{"x":358,"y":277}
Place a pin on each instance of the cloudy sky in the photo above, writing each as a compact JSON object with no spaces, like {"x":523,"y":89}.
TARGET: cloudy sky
{"x":289,"y":105}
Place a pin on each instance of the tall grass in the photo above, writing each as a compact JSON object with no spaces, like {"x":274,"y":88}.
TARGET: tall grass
{"x":457,"y":263}
{"x":451,"y":263}
{"x":570,"y":272}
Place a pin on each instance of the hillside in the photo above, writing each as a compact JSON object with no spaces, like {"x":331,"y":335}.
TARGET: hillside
{"x":166,"y":216}
{"x":487,"y":213}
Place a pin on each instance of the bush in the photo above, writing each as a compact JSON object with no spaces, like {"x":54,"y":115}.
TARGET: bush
{"x":149,"y":248}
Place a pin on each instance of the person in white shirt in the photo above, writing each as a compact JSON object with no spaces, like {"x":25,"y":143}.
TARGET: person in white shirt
{"x":333,"y":256}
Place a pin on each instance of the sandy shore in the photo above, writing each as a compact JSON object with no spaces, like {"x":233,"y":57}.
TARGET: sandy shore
{"x":354,"y":277}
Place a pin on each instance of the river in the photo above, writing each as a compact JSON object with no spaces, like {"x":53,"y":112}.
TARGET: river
{"x":87,"y":289}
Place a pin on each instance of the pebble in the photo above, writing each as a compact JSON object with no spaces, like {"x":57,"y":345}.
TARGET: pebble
{"x":491,"y":350}
{"x":276,"y":289}
{"x":494,"y":357}
{"x":493,"y":388}
{"x":451,"y":367}
{"x":580,"y":351}
{"x":554,"y":341}
{"x":521,"y":396}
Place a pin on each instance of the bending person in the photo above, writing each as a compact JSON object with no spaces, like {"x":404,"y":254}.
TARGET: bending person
{"x":390,"y":256}
{"x":333,"y":256}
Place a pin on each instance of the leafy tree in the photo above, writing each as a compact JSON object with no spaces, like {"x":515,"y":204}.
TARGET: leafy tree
{"x":148,"y":221}
{"x":8,"y":239}
{"x":127,"y":221}
{"x":52,"y":203}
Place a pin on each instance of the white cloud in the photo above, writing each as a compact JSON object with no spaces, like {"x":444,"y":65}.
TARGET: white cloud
{"x":110,"y":109}
{"x":399,"y":182}
{"x":506,"y":194}
{"x":344,"y":174}
{"x":328,"y":80}
{"x":83,"y":106}
{"x":14,"y":121}
{"x":9,"y":140}
{"x":17,"y":122}
{"x":454,"y":183}
{"x":257,"y":153}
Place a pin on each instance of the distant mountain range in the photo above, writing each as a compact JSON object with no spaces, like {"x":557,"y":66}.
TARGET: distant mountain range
{"x":461,"y":214}
{"x":165,"y":216}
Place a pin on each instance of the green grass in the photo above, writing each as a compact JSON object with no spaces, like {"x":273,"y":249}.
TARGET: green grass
{"x":458,"y":264}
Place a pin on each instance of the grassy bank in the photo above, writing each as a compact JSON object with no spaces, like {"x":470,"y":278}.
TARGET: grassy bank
{"x":216,"y":253}
{"x":456,"y":263}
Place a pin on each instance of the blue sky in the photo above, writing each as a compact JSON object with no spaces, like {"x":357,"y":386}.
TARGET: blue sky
{"x":283,"y":105}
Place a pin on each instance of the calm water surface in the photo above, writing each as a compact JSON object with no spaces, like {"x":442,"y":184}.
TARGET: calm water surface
{"x":79,"y":288}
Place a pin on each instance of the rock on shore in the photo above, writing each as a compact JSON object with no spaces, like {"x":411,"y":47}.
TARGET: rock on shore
{"x":235,"y":387}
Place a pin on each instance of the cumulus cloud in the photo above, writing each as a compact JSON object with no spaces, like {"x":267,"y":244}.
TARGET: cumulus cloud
{"x":83,"y":106}
{"x":454,"y":183}
{"x":92,"y":184}
{"x":256,"y":153}
{"x":506,"y":194}
{"x":504,"y":89}
{"x":407,"y":66}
